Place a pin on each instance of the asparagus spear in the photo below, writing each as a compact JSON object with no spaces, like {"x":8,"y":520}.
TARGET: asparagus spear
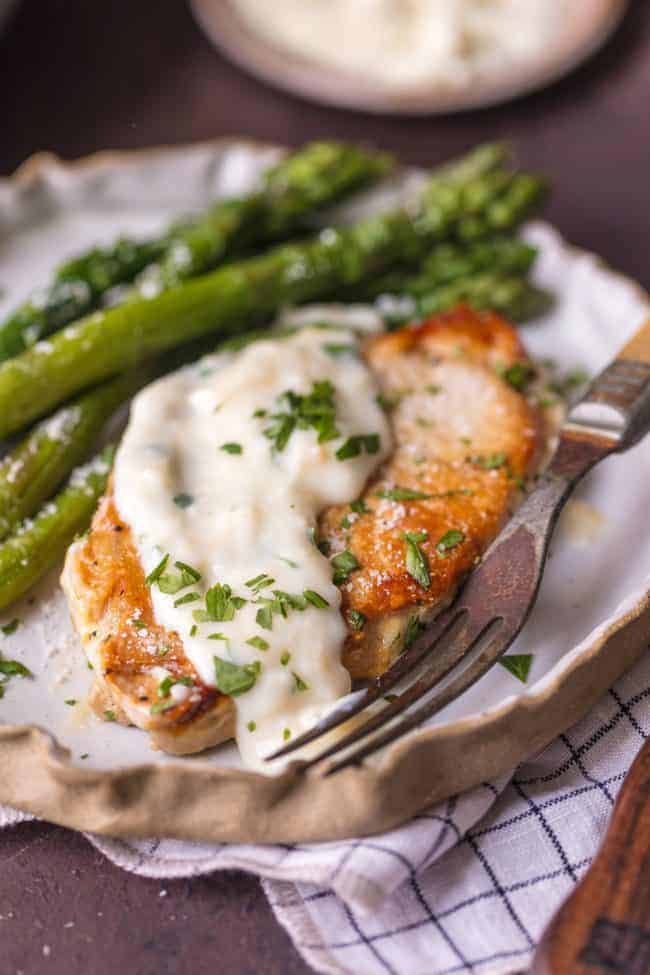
{"x":318,"y":175}
{"x":510,"y":295}
{"x":76,"y":289}
{"x":39,"y":544}
{"x":31,"y":472}
{"x":241,"y":295}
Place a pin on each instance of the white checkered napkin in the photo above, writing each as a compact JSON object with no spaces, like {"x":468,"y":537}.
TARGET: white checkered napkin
{"x":394,"y":905}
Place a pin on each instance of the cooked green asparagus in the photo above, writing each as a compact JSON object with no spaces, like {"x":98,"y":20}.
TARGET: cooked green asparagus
{"x":32,"y":472}
{"x":241,"y":295}
{"x":509,"y":294}
{"x":38,"y":545}
{"x":318,"y":175}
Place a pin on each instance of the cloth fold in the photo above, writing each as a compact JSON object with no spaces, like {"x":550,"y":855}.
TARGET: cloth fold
{"x":465,"y":887}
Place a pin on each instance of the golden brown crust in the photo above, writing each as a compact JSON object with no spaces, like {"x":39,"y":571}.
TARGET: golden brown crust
{"x":462,"y":435}
{"x":465,"y":437}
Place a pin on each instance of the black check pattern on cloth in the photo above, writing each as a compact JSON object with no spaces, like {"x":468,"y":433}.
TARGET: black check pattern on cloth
{"x":466,"y":887}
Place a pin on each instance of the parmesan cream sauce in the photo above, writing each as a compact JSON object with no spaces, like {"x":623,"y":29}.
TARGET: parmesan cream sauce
{"x":250,"y":513}
{"x":407,"y":42}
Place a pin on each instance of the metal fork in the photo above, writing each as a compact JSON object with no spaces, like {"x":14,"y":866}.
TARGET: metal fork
{"x":468,"y":638}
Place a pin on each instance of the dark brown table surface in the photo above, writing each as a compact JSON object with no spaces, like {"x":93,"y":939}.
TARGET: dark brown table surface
{"x":76,"y":76}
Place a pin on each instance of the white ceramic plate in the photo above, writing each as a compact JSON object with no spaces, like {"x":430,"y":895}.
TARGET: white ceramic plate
{"x":596,"y":583}
{"x":587,"y":26}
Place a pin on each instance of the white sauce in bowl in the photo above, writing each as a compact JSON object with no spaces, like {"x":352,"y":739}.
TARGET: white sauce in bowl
{"x":410,"y":42}
{"x":197,"y":479}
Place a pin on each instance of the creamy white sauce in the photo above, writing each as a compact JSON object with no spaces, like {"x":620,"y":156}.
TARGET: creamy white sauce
{"x":406,"y":42}
{"x":251,"y":513}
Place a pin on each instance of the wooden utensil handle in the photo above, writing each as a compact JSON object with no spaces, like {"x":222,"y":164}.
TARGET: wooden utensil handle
{"x":638,"y":347}
{"x":604,"y":926}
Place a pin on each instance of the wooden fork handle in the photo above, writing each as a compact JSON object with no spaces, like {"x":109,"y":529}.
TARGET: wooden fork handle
{"x":638,"y":348}
{"x":604,"y":926}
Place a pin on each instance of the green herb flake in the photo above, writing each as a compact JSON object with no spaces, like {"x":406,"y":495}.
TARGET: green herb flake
{"x":315,"y":599}
{"x":10,"y":627}
{"x":189,"y":597}
{"x":417,"y":564}
{"x":518,"y":664}
{"x":339,"y":349}
{"x":356,"y":619}
{"x":251,"y":726}
{"x":71,"y":701}
{"x":110,"y":716}
{"x":450,"y":540}
{"x":264,"y":617}
{"x":183,"y":500}
{"x":232,"y":679}
{"x":258,"y":643}
{"x":413,"y":628}
{"x":194,"y":629}
{"x":286,"y":734}
{"x":220,"y":605}
{"x":156,"y":572}
{"x":343,"y":564}
{"x":433,"y":389}
{"x":354,"y":446}
{"x":285,"y":658}
{"x":85,"y":755}
{"x":315,"y":410}
{"x":301,"y":685}
{"x":324,"y":547}
{"x":232,"y":448}
{"x":360,"y":507}
{"x":139,"y":624}
{"x":218,"y":636}
{"x":403,"y":494}
{"x":518,"y":375}
{"x":289,"y":562}
{"x":262,"y":581}
{"x":490,"y":462}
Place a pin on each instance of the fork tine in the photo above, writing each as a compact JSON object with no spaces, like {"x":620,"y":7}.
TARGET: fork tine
{"x":476,"y":669}
{"x":403,"y":666}
{"x":462,"y":643}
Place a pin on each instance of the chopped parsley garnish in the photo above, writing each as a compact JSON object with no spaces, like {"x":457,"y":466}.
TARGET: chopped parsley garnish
{"x":286,"y":734}
{"x":232,"y":448}
{"x":251,"y":726}
{"x":343,"y":564}
{"x":518,"y":375}
{"x":403,"y":494}
{"x":110,"y":716}
{"x":264,"y":617}
{"x":172,"y":582}
{"x":258,"y":414}
{"x":258,"y":643}
{"x":338,"y":349}
{"x":234,"y":680}
{"x":356,"y":619}
{"x":139,"y":624}
{"x":518,"y":664}
{"x":324,"y":547}
{"x":10,"y":627}
{"x":289,"y":562}
{"x":315,"y":599}
{"x":301,"y":685}
{"x":449,"y":541}
{"x":315,"y":410}
{"x":490,"y":462}
{"x":183,"y":500}
{"x":167,"y":683}
{"x":156,"y":572}
{"x":413,"y":628}
{"x":262,"y":581}
{"x":220,"y":605}
{"x":345,"y":522}
{"x":9,"y":669}
{"x":433,"y":388}
{"x":354,"y":446}
{"x":218,"y":636}
{"x":194,"y":629}
{"x":360,"y":507}
{"x":162,"y":651}
{"x":164,"y":705}
{"x":189,"y":597}
{"x":285,"y":658}
{"x":417,"y":564}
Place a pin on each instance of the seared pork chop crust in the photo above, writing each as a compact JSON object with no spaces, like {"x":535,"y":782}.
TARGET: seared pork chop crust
{"x":464,"y":440}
